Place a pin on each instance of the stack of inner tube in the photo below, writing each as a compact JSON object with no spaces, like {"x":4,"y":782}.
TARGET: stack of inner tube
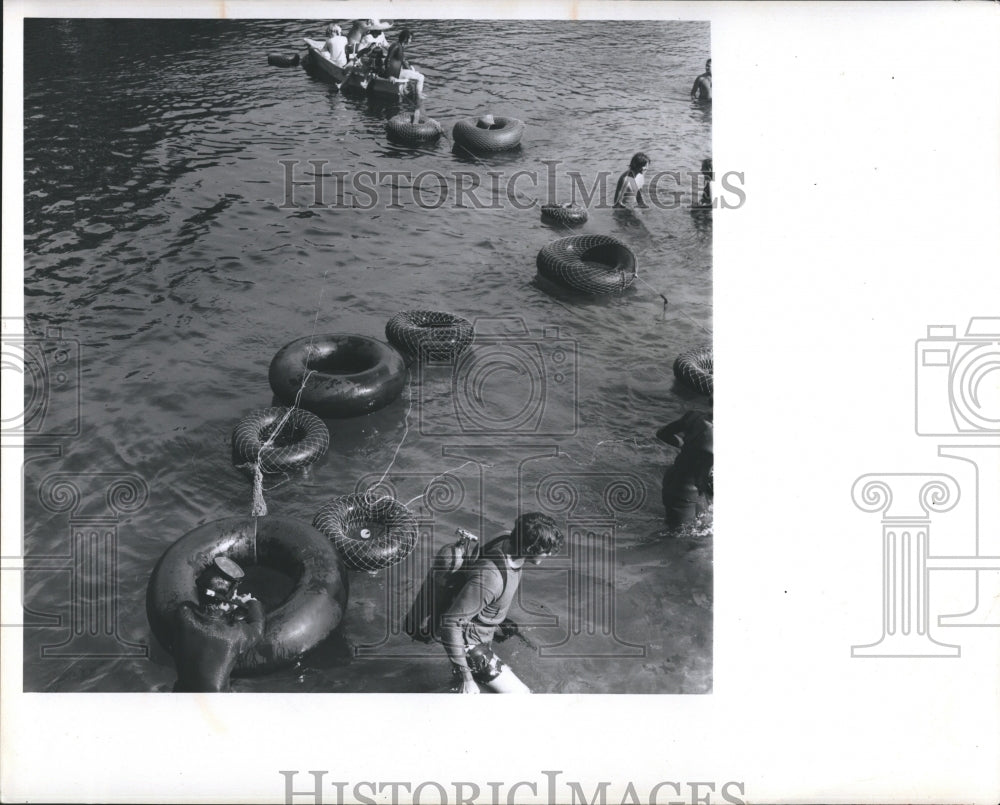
{"x":593,"y":264}
{"x":349,"y":375}
{"x":503,"y":135}
{"x":429,"y":335}
{"x":695,"y":368}
{"x":370,"y":532}
{"x":303,"y":439}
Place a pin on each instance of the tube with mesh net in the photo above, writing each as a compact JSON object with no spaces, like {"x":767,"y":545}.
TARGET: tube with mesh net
{"x":429,"y":335}
{"x":279,"y":439}
{"x":370,"y":532}
{"x":593,"y":264}
{"x":695,"y":368}
{"x":564,"y":214}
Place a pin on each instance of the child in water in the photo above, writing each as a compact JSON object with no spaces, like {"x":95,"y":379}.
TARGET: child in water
{"x":631,"y":182}
{"x":210,"y":637}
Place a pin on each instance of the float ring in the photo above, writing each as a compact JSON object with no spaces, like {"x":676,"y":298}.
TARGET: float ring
{"x":307,"y":615}
{"x":695,"y":368}
{"x":593,"y":264}
{"x":349,"y":375}
{"x":303,"y":440}
{"x":565,"y":214}
{"x":401,"y":129}
{"x":503,"y":135}
{"x":370,"y":532}
{"x":429,"y":335}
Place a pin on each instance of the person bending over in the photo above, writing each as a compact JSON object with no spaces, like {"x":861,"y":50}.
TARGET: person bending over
{"x":630,"y":183}
{"x":396,"y":65}
{"x":702,"y":89}
{"x":210,"y":636}
{"x":689,"y":478}
{"x":468,"y":626}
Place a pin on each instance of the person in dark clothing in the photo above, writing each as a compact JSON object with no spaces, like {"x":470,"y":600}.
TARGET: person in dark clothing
{"x":210,"y":636}
{"x":470,"y":622}
{"x":689,"y":479}
{"x":396,"y":65}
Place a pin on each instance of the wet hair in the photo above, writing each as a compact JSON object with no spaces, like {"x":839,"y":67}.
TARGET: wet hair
{"x":639,"y":161}
{"x":405,"y":35}
{"x":535,"y":533}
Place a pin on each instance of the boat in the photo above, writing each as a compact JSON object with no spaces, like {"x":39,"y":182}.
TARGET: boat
{"x":357,"y":78}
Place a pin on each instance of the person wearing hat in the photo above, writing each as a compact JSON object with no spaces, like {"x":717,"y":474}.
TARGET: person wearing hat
{"x":688,"y":480}
{"x":210,"y":636}
{"x":702,"y":89}
{"x":396,"y":65}
{"x":336,"y":45}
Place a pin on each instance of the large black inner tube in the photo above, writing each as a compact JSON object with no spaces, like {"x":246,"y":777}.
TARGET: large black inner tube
{"x":350,"y":375}
{"x":308,"y":614}
{"x":696,"y":368}
{"x":370,"y":532}
{"x":593,"y":264}
{"x":503,"y":135}
{"x":429,"y":335}
{"x":302,"y":440}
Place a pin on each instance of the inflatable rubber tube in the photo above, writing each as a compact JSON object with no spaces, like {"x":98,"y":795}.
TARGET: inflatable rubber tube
{"x":594,"y":264}
{"x":283,"y":59}
{"x":350,"y":375}
{"x":503,"y":135}
{"x":400,"y":129}
{"x":304,"y":618}
{"x":429,"y":335}
{"x":369,"y":532}
{"x":303,"y":440}
{"x":567,"y":214}
{"x":695,"y":368}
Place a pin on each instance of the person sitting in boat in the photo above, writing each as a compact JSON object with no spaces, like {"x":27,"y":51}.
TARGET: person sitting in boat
{"x":354,"y":37}
{"x":373,"y":50}
{"x":688,"y":481}
{"x":335,"y":46}
{"x":210,"y":636}
{"x":396,"y":65}
{"x":702,"y":89}
{"x":469,"y":624}
{"x":631,"y":182}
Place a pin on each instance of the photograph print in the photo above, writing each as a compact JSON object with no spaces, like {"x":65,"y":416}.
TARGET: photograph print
{"x":363,"y":355}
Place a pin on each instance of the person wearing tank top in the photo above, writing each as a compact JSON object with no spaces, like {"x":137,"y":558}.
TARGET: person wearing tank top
{"x":468,"y":626}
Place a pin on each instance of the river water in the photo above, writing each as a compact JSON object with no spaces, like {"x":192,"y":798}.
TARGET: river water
{"x":169,"y":253}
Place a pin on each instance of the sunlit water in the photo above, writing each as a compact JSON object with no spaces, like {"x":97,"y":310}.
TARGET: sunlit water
{"x":160,"y":237}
